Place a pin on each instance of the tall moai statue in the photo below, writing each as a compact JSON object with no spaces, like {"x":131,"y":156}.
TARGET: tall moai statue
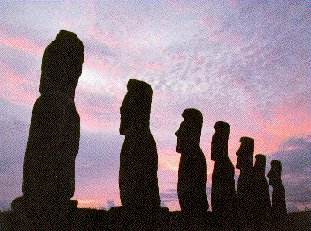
{"x":261,"y":193}
{"x":138,"y":181}
{"x":53,"y":142}
{"x":223,"y":184}
{"x":278,"y":209}
{"x":245,"y":192}
{"x":192,"y":175}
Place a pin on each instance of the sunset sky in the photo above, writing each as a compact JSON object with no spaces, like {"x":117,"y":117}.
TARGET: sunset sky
{"x":244,"y":62}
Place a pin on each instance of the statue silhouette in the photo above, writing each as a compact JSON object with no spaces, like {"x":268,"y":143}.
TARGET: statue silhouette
{"x":138,"y":181}
{"x":223,"y":183}
{"x":245,"y":191}
{"x":53,"y":142}
{"x":278,"y":209}
{"x":261,"y":194}
{"x":192,"y":176}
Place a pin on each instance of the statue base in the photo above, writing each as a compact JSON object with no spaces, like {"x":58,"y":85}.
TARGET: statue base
{"x":22,"y":203}
{"x":27,"y":214}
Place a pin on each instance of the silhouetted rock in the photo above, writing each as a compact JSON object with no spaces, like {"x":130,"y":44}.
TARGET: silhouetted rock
{"x":261,"y":194}
{"x":245,"y":190}
{"x":53,"y":143}
{"x":278,"y":209}
{"x":223,"y":184}
{"x":192,"y":176}
{"x":138,"y":181}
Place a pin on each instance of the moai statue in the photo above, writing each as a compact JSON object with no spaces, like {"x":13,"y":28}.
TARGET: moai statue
{"x":223,"y":183}
{"x":261,"y":193}
{"x":278,"y":209}
{"x":53,"y":142}
{"x":245,"y":191}
{"x":138,"y":181}
{"x":192,"y":176}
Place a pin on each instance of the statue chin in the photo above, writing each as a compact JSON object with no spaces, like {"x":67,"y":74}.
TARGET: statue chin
{"x":121,"y":131}
{"x":182,"y":149}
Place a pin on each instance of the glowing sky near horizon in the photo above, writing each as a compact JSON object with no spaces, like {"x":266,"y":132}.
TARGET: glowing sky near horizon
{"x":244,"y":62}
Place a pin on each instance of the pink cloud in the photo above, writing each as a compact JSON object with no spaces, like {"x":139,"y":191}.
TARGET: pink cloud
{"x":210,"y":23}
{"x":178,"y":7}
{"x":289,"y":122}
{"x":103,"y":37}
{"x":233,"y":3}
{"x":230,"y":37}
{"x":14,"y":88}
{"x":173,"y":205}
{"x":154,"y":66}
{"x":91,"y":122}
{"x":22,"y":44}
{"x":101,"y":65}
{"x":96,"y":194}
{"x":168,"y":159}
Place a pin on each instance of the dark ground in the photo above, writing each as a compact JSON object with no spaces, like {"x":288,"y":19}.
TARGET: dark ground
{"x":92,"y":219}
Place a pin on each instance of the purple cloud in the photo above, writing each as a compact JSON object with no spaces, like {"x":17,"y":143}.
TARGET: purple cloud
{"x":296,"y":171}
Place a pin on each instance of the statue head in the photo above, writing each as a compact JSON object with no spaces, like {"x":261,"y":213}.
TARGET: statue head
{"x":275,"y":172}
{"x":245,"y":153}
{"x":220,"y":140}
{"x":223,"y":128}
{"x":260,"y":163}
{"x":189,"y":132}
{"x":136,"y":106}
{"x":62,"y":64}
